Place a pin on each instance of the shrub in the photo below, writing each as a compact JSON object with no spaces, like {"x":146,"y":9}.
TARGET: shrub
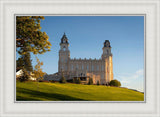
{"x":79,"y":81}
{"x":63,"y":80}
{"x":74,"y":80}
{"x":90,"y":81}
{"x":98,"y":82}
{"x":115,"y":83}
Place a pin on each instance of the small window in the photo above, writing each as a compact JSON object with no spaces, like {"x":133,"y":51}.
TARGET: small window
{"x":64,"y":48}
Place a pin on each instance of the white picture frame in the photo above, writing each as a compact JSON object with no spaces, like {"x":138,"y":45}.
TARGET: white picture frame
{"x":149,"y":8}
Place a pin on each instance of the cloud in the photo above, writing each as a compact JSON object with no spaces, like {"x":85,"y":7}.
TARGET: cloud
{"x":134,"y":80}
{"x":138,"y":74}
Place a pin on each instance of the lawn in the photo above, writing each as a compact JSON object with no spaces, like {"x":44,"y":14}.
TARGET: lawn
{"x":30,"y":91}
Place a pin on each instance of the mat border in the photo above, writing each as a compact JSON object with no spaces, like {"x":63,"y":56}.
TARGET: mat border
{"x":144,"y":87}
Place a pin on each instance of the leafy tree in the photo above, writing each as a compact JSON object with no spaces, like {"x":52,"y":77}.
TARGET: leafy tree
{"x":90,"y":81}
{"x":38,"y":73}
{"x":115,"y":83}
{"x":29,"y":37}
{"x":98,"y":82}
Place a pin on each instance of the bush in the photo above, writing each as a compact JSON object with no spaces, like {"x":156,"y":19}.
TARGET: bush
{"x":74,"y":80}
{"x":98,"y":82}
{"x":90,"y":81}
{"x":63,"y":80}
{"x":79,"y":81}
{"x":115,"y":83}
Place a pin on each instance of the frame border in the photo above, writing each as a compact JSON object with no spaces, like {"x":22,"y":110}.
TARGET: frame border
{"x":156,"y":113}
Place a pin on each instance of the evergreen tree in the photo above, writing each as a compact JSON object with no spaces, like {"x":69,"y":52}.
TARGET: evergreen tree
{"x":74,"y":81}
{"x":19,"y":63}
{"x":79,"y":81}
{"x":90,"y":81}
{"x":98,"y":82}
{"x":25,"y":62}
{"x":63,"y":80}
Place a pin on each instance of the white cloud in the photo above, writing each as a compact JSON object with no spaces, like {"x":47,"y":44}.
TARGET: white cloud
{"x":131,"y":80}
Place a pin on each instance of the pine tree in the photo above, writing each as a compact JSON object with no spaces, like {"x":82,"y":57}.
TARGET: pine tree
{"x":19,"y":63}
{"x":27,"y":62}
{"x":98,"y":82}
{"x":63,"y":80}
{"x":74,"y":80}
{"x":90,"y":81}
{"x":79,"y":81}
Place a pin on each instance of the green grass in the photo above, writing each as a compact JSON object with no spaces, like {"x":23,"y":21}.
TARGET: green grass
{"x":29,"y":91}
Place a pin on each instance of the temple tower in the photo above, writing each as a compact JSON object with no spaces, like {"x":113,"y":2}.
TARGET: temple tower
{"x":108,"y":65}
{"x":64,"y":54}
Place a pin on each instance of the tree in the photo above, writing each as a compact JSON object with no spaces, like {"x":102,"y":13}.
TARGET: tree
{"x":63,"y":80}
{"x":25,"y":62}
{"x":20,"y":63}
{"x":115,"y":83}
{"x":74,"y":80}
{"x":98,"y":82}
{"x":90,"y":81}
{"x":29,"y":37}
{"x":79,"y":81}
{"x":38,"y":73}
{"x":24,"y":77}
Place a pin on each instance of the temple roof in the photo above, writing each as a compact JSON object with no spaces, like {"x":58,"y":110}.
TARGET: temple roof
{"x":107,"y":43}
{"x":64,"y":39}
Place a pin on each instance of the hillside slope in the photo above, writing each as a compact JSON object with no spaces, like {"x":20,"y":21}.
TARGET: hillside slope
{"x":30,"y":91}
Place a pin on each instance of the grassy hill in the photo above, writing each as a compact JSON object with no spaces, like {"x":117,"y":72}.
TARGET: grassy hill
{"x":29,"y":91}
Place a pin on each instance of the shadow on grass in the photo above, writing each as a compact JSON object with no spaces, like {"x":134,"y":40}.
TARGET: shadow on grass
{"x":38,"y":95}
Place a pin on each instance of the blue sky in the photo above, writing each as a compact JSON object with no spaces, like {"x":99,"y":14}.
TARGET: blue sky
{"x":86,"y":35}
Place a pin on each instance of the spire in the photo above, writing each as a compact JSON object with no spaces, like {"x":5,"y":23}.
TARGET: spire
{"x":107,"y":43}
{"x":64,"y":39}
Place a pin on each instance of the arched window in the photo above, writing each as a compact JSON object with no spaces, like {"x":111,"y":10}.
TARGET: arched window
{"x":82,"y":67}
{"x":92,"y":67}
{"x":102,"y":67}
{"x":97,"y":68}
{"x":64,"y":48}
{"x":72,"y":67}
{"x":77,"y":66}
